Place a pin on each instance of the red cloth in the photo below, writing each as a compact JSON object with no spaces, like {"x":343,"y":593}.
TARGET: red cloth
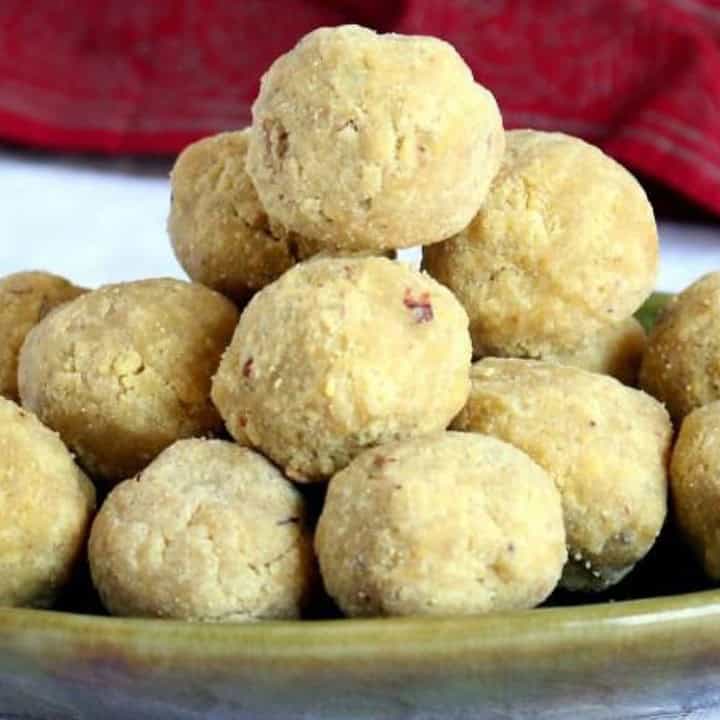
{"x":639,"y":77}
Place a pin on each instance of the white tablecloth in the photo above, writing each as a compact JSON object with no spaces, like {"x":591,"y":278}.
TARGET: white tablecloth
{"x":104,"y":221}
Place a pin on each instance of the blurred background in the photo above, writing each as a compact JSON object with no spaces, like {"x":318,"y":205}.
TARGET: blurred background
{"x":97,"y":97}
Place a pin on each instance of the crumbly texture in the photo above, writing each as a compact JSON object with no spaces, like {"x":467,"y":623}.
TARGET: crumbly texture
{"x":681,"y":366}
{"x":340,"y":354}
{"x":605,"y":445}
{"x":124,"y":371}
{"x":46,"y":504}
{"x":25,"y":299}
{"x":564,"y":247}
{"x":365,"y":141}
{"x":695,"y":484}
{"x":219,"y":231}
{"x":616,"y":351}
{"x":209,"y":531}
{"x":454,"y":523}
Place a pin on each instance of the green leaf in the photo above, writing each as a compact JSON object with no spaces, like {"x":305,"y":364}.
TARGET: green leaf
{"x":649,"y":312}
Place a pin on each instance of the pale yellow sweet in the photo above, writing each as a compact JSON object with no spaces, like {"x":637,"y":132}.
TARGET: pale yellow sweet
{"x":681,"y":366}
{"x":368,"y":141}
{"x":209,"y":531}
{"x":605,"y":445}
{"x":695,"y":484}
{"x":46,"y":504}
{"x":564,"y":247}
{"x":124,"y":371}
{"x":616,"y":351}
{"x":453,"y":523}
{"x":25,"y":299}
{"x":219,"y":231}
{"x":339,"y":355}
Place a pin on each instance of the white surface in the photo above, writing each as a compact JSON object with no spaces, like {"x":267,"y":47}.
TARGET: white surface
{"x":97,"y":222}
{"x":94,"y":223}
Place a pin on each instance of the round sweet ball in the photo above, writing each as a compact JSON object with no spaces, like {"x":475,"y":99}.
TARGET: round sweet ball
{"x":681,"y":366}
{"x":46,"y":504}
{"x":365,"y":141}
{"x":565,"y":246}
{"x":340,"y":354}
{"x":219,"y":231}
{"x":209,"y":531}
{"x":606,"y":446}
{"x":124,"y":371}
{"x":454,"y":523}
{"x":616,"y":350}
{"x":695,"y":484}
{"x":25,"y":299}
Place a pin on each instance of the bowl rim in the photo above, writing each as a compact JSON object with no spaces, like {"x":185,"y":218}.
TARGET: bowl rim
{"x":689,"y":617}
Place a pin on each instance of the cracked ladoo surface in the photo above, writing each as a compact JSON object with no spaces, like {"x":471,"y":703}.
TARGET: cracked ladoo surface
{"x":340,"y":354}
{"x":46,"y":504}
{"x":124,"y":371}
{"x":209,"y":531}
{"x":564,"y":247}
{"x":605,"y":445}
{"x":449,"y":524}
{"x":364,"y":141}
{"x":25,"y":299}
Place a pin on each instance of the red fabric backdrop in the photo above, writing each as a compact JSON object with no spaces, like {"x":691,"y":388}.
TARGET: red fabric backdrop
{"x":639,"y":77}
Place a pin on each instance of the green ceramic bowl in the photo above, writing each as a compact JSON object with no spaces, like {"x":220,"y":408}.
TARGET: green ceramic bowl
{"x":641,"y":659}
{"x":613,"y":657}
